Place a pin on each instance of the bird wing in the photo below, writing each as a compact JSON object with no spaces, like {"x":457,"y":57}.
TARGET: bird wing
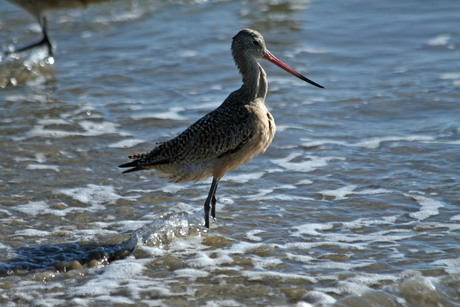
{"x":215,"y":135}
{"x":221,"y":132}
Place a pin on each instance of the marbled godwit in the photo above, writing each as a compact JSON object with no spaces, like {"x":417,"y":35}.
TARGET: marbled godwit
{"x":38,"y":9}
{"x":231,"y":135}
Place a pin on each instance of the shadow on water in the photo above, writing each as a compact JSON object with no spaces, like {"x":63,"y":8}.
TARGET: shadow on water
{"x":65,"y":257}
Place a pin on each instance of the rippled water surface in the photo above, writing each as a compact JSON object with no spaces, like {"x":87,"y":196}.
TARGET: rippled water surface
{"x":355,"y":203}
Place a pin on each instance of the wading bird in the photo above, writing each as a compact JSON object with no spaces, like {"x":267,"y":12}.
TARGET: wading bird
{"x":231,"y":135}
{"x":38,"y":9}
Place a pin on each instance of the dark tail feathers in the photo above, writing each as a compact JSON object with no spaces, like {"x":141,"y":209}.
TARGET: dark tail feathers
{"x":134,"y":164}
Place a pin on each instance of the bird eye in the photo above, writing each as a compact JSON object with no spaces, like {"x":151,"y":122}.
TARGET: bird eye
{"x":256,"y":43}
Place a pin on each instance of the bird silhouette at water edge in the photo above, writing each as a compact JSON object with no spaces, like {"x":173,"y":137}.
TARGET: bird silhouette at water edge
{"x":231,"y":135}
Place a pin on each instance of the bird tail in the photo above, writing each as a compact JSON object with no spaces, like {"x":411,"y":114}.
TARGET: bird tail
{"x":134,"y":164}
{"x":139,"y":163}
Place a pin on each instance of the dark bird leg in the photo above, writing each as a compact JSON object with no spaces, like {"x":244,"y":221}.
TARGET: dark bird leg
{"x":213,"y":203}
{"x":44,"y":41}
{"x":210,"y":200}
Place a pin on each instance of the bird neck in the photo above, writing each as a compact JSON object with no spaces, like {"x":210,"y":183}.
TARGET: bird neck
{"x":254,"y":78}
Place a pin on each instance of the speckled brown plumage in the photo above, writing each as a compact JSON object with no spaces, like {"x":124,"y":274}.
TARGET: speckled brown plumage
{"x":231,"y":135}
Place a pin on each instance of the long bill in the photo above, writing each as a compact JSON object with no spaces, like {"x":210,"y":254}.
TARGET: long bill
{"x":270,"y":57}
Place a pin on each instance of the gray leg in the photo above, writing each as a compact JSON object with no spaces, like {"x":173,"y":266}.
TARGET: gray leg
{"x":213,"y":203}
{"x":211,"y":200}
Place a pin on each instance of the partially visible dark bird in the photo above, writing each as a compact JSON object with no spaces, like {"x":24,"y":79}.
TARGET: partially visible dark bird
{"x":38,"y":9}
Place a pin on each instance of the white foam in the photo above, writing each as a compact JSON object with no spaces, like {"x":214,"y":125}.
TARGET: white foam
{"x":244,"y":178}
{"x":203,"y":260}
{"x":28,"y":232}
{"x":265,"y":263}
{"x":42,"y":167}
{"x":340,"y":193}
{"x":53,"y":121}
{"x":180,"y":244}
{"x":376,"y":142}
{"x":364,"y":222}
{"x":123,"y":270}
{"x":41,"y":131}
{"x":93,"y":195}
{"x":321,"y":142}
{"x":372,"y":191}
{"x":455,"y":77}
{"x":310,"y":229}
{"x":153,"y":251}
{"x":440,"y":40}
{"x":172,"y":113}
{"x":223,"y":302}
{"x":340,"y":266}
{"x":188,"y":53}
{"x":304,"y":182}
{"x":126,"y":273}
{"x":330,"y":242}
{"x":208,"y":105}
{"x":286,"y":186}
{"x":90,"y":128}
{"x":371,"y":279}
{"x":455,"y":218}
{"x":121,"y":17}
{"x":300,"y":258}
{"x":95,"y":128}
{"x":284,"y":277}
{"x":319,"y":298}
{"x":277,"y":196}
{"x":450,"y":76}
{"x":4,"y":211}
{"x":34,"y":208}
{"x":379,"y":236}
{"x":244,"y":247}
{"x":429,"y":207}
{"x":281,"y":128}
{"x":262,"y":193}
{"x":191,"y":273}
{"x":173,"y":188}
{"x":371,"y":143}
{"x":251,"y":235}
{"x":303,"y":166}
{"x":188,"y":207}
{"x":298,"y":50}
{"x":40,"y":157}
{"x":126,"y":225}
{"x":126,"y":143}
{"x":451,"y":266}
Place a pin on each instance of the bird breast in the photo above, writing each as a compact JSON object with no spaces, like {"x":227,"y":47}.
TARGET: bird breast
{"x":263,"y":130}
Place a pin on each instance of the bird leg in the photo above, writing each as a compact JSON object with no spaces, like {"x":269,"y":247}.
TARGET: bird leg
{"x":213,"y":206}
{"x":44,"y":41}
{"x":211,"y":200}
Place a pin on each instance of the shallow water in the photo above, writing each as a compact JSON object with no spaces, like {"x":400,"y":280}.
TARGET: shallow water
{"x":355,"y":203}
